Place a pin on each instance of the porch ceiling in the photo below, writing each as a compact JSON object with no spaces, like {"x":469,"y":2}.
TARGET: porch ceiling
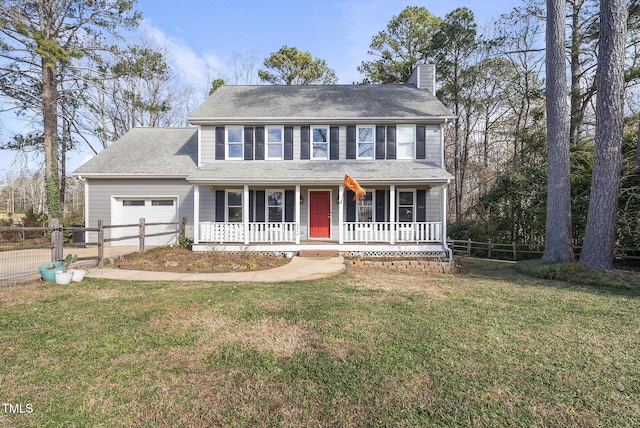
{"x":320,"y":172}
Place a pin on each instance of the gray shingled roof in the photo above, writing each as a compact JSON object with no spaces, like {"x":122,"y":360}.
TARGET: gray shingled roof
{"x":148,"y":152}
{"x":320,"y":172}
{"x":319,"y":102}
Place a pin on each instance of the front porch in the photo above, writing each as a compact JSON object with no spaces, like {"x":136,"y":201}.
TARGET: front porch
{"x":282,"y":217}
{"x":349,"y":232}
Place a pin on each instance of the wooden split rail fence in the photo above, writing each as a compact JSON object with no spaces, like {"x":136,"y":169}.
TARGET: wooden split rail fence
{"x":515,"y":251}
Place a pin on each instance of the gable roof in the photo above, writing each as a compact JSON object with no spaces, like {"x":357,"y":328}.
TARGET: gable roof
{"x":149,"y":152}
{"x":319,"y":103}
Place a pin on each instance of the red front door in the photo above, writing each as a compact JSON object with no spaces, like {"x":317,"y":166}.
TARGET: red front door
{"x":320,"y":214}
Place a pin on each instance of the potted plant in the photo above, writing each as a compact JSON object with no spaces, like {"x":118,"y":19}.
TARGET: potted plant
{"x":63,"y":277}
{"x":48,"y":270}
{"x":77,"y":274}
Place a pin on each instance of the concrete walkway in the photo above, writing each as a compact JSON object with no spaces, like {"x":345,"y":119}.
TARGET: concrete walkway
{"x":299,"y":269}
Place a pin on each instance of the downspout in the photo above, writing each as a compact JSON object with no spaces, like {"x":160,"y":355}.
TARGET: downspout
{"x":444,"y":224}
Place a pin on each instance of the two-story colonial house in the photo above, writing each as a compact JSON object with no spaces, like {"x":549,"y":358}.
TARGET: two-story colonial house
{"x":264,"y":167}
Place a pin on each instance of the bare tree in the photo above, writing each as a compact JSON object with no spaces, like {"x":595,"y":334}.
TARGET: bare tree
{"x":558,"y":224}
{"x":599,"y":242}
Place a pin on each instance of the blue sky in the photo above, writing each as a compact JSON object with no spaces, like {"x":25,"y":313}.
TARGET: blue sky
{"x":201,"y":37}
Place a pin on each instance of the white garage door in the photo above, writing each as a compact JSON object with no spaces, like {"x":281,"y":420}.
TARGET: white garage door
{"x":153,"y":210}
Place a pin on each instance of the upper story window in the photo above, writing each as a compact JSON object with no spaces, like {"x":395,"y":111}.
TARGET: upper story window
{"x":275,"y":140}
{"x":320,"y":142}
{"x":406,"y":142}
{"x":234,"y":142}
{"x":364,"y":137}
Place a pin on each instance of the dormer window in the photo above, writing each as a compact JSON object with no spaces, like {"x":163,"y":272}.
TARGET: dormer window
{"x":275,"y":142}
{"x":364,"y":135}
{"x":234,"y":142}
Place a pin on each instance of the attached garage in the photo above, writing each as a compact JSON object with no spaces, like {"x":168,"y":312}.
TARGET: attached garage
{"x":129,"y":210}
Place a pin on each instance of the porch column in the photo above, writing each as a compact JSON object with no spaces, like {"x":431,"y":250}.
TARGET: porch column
{"x":245,"y":213}
{"x":297,"y":214}
{"x":196,"y":214}
{"x":392,"y":213}
{"x":341,"y":214}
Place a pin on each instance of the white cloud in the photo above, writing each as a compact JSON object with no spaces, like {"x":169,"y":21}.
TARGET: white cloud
{"x":197,"y":69}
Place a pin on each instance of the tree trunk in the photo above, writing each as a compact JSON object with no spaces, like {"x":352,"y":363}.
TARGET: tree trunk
{"x":576,"y":99}
{"x":558,"y":224}
{"x":638,"y":148}
{"x":50,"y":124}
{"x":600,"y":234}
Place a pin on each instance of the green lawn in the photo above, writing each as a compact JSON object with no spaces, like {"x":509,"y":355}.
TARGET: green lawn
{"x":487,"y":347}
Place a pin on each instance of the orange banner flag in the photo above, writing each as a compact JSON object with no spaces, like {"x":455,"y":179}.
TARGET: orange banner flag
{"x":353,"y":185}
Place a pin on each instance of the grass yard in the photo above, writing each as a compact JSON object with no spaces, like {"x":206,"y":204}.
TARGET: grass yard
{"x":487,"y":347}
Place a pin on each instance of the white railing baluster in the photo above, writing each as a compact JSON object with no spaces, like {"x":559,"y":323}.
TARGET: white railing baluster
{"x":381,"y":232}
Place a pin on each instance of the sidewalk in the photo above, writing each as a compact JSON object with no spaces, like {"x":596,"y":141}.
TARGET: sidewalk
{"x":299,"y":269}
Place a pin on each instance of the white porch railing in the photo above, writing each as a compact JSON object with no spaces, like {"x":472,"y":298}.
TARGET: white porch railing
{"x":402,"y":232}
{"x":257,"y":232}
{"x":272,"y":232}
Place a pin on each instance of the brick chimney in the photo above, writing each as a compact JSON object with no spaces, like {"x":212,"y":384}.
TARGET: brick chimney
{"x":424,"y":77}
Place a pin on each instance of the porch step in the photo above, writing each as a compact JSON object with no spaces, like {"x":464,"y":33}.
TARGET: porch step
{"x":319,"y":253}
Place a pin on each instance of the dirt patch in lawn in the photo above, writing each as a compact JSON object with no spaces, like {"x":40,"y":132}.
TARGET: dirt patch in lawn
{"x":179,"y":259}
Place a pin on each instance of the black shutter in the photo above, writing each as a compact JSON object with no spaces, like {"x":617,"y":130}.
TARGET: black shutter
{"x":391,"y":142}
{"x":304,"y":142}
{"x":380,"y":142}
{"x":288,"y":143}
{"x":351,"y":142}
{"x":220,"y":205}
{"x":421,"y":148}
{"x":421,"y":209}
{"x":251,"y":205}
{"x":334,"y":143}
{"x":351,"y":206}
{"x":220,"y":142}
{"x":248,"y":143}
{"x":381,"y":196}
{"x":260,"y":201}
{"x":289,"y":205}
{"x":259,"y":142}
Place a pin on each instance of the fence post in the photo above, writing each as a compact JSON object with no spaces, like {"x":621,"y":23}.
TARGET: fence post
{"x":489,"y":256}
{"x":141,"y":234}
{"x":100,"y":243}
{"x":183,"y":228}
{"x":469,"y":248}
{"x":515,"y":248}
{"x":56,"y":241}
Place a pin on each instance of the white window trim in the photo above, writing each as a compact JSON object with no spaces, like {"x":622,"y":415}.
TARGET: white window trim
{"x":266,"y":142}
{"x":226,"y":142}
{"x":413,"y":154}
{"x":266,"y":205}
{"x":227,"y":206}
{"x":373,"y":208}
{"x":328,"y":128}
{"x":414,"y":206}
{"x":373,"y":142}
